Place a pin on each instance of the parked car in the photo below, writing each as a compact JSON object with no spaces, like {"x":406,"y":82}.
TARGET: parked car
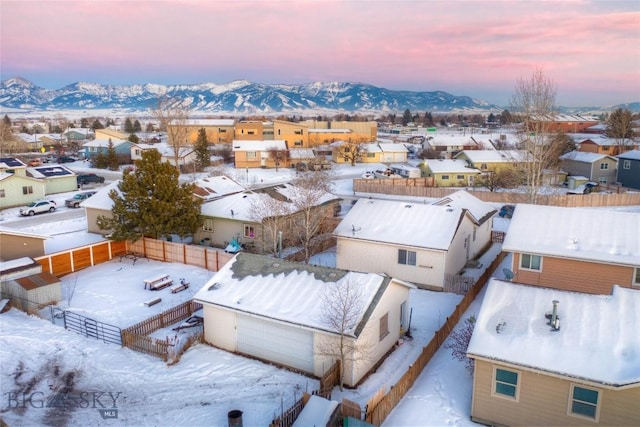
{"x":35,"y":162}
{"x":39,"y":206}
{"x":89,"y":178}
{"x":75,"y":201}
{"x":66,"y":159}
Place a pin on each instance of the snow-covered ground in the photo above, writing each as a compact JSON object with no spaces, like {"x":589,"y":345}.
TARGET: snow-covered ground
{"x":40,"y":359}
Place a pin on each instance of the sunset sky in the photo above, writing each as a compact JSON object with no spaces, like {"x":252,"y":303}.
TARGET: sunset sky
{"x":590,"y":49}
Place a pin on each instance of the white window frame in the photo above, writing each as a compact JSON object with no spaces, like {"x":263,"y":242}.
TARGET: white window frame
{"x":529,"y":268}
{"x":207,"y":224}
{"x":626,"y":164}
{"x":252,"y":155}
{"x":249,"y":231}
{"x":445,"y":177}
{"x":571,"y":400}
{"x":604,"y":166}
{"x":407,"y":257}
{"x":494,"y":382}
{"x":635,"y":280}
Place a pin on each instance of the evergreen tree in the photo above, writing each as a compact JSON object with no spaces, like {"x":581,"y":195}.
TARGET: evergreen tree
{"x":100,"y":160}
{"x":133,"y":138}
{"x":406,"y":117}
{"x":7,"y":121}
{"x":201,"y":147}
{"x":506,"y":118}
{"x":149,"y":127}
{"x":111,"y":157}
{"x":97,"y":125}
{"x":128,"y":126}
{"x":84,"y":123}
{"x":151,"y":202}
{"x":136,"y":126}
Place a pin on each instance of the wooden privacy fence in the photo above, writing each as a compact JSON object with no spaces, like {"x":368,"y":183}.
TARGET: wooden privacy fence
{"x":377,"y":413}
{"x":72,"y":260}
{"x":415,"y":187}
{"x":136,"y":337}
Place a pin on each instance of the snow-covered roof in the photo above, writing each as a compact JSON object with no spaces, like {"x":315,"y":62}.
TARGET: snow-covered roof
{"x":330,"y":131}
{"x":451,"y":140}
{"x":449,"y":166}
{"x":301,"y":153}
{"x":238,"y":206}
{"x":210,"y":122}
{"x":261,"y":145}
{"x":213,"y":187}
{"x":317,"y":412}
{"x":601,"y":140}
{"x":599,"y":235}
{"x":631,"y":155}
{"x":101,"y":199}
{"x":496,"y":156}
{"x":583,"y":156}
{"x":49,"y":171}
{"x":401,"y":223}
{"x":479,"y":210}
{"x":598,"y":339}
{"x":104,"y":143}
{"x":391,"y":147}
{"x":17,"y":232}
{"x":287,"y":291}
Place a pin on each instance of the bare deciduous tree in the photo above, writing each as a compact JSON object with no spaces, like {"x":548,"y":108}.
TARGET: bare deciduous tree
{"x":459,"y":342}
{"x":273,"y":215}
{"x":342,"y":304}
{"x":353,"y":149}
{"x":310,"y":189}
{"x":277,"y":156}
{"x":620,"y":128}
{"x":173,"y":116}
{"x":534,"y":100}
{"x":502,"y":178}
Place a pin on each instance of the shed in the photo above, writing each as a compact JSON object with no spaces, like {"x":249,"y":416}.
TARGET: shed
{"x":27,"y":286}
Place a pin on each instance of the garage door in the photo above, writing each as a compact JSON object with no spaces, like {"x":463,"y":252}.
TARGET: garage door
{"x":276,"y":342}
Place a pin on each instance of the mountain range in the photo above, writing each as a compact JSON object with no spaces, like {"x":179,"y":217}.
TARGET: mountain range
{"x":242,"y":97}
{"x":237,"y":97}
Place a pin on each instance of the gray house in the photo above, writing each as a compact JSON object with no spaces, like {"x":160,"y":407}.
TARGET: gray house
{"x":596,"y":167}
{"x":629,"y":169}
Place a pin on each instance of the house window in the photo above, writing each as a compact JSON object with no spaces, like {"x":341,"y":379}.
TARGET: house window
{"x":249,"y":231}
{"x":505,"y":383}
{"x":27,"y":189}
{"x":604,"y":166}
{"x":483,"y":166}
{"x":636,"y":276}
{"x":297,"y":143}
{"x":384,"y":326}
{"x":445,"y":177}
{"x":252,"y":155}
{"x":460,"y":177}
{"x":207,"y":225}
{"x":531,"y":262}
{"x":2,"y":192}
{"x":584,"y":402}
{"x":222,"y":131}
{"x":371,"y":155}
{"x":605,"y":148}
{"x":626,"y":164}
{"x":602,"y":180}
{"x":474,"y":234}
{"x":406,"y":257}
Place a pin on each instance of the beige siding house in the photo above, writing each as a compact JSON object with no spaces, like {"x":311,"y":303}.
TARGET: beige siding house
{"x":583,"y":371}
{"x":17,"y":190}
{"x":415,"y":242}
{"x":17,"y":244}
{"x":574,"y":249}
{"x":275,"y":310}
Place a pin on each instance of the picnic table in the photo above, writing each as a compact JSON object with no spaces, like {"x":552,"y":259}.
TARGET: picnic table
{"x":180,"y":287}
{"x":157,"y":283}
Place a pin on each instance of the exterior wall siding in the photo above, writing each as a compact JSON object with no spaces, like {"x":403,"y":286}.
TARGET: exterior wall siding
{"x":14,"y":195}
{"x":629,"y":177}
{"x":219,"y":327}
{"x":376,"y":257}
{"x":544,"y":400}
{"x":573,"y":275}
{"x":12,"y":247}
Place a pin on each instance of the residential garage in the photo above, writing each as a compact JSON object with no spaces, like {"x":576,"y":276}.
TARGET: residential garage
{"x":277,"y":342}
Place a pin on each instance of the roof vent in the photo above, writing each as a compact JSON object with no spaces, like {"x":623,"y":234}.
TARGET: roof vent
{"x":554,"y":319}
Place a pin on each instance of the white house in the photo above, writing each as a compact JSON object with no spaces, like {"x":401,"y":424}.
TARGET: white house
{"x":276,"y":310}
{"x":412,"y":241}
{"x":556,"y":358}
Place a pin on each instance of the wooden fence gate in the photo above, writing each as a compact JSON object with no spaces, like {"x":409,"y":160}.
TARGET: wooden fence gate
{"x":87,"y":327}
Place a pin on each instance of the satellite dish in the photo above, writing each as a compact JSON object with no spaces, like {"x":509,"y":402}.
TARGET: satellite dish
{"x":508,"y":274}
